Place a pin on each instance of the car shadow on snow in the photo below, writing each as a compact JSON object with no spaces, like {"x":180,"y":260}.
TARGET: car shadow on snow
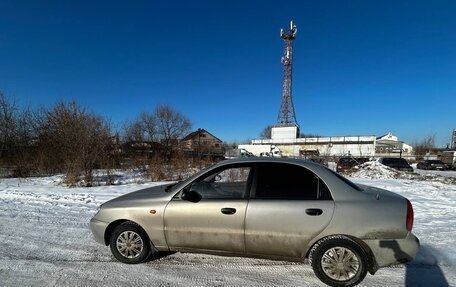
{"x":425,"y":269}
{"x":159,"y":255}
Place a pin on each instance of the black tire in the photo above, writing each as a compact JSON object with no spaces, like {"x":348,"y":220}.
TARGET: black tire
{"x":130,"y":244}
{"x":331,"y":270}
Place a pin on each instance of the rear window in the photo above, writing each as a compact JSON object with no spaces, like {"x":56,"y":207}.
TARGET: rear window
{"x":355,"y":186}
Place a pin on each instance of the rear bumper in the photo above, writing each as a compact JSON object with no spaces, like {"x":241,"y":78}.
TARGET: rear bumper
{"x":393,"y":251}
{"x":98,"y":229}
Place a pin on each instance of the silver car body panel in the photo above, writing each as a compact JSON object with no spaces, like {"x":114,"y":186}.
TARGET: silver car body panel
{"x":270,"y":227}
{"x":277,"y":228}
{"x":136,"y":207}
{"x":393,"y":251}
{"x":202,"y":225}
{"x":98,"y":229}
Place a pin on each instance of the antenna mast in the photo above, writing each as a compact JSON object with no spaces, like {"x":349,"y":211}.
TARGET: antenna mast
{"x":287,"y":115}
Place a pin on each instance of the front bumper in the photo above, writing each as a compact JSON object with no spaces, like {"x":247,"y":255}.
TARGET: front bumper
{"x":98,"y":229}
{"x":393,"y":251}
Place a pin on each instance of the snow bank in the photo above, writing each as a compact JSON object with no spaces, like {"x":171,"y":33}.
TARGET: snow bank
{"x":376,"y":170}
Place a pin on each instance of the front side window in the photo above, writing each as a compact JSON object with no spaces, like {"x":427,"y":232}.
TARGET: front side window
{"x":288,"y":182}
{"x":230,"y":183}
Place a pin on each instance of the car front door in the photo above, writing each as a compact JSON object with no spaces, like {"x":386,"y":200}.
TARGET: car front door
{"x":289,"y":205}
{"x":215,"y":221}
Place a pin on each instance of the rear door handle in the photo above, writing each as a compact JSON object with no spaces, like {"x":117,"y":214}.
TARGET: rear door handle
{"x":314,"y":211}
{"x":228,"y":210}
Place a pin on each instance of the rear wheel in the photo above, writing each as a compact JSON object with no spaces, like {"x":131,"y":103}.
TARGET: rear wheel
{"x":130,"y":244}
{"x":339,"y":261}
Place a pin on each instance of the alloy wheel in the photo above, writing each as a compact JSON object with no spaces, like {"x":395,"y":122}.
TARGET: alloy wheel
{"x":129,"y":244}
{"x":340,"y":263}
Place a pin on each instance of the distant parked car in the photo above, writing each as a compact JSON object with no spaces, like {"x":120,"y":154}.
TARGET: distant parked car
{"x":265,"y":207}
{"x":396,"y":163}
{"x":432,"y":164}
{"x":318,"y":160}
{"x":347,"y":163}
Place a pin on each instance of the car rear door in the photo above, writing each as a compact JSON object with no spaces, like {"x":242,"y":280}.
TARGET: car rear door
{"x":289,"y":205}
{"x":216,"y":222}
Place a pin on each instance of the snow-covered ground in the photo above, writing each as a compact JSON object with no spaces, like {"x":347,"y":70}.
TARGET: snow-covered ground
{"x":45,"y":240}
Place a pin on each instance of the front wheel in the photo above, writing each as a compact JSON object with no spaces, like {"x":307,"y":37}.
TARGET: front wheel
{"x":130,"y":244}
{"x":339,"y":261}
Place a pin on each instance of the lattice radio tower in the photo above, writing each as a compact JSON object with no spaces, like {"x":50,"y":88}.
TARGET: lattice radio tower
{"x":287,"y":115}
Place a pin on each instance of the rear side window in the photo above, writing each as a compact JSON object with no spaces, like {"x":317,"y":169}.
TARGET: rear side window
{"x":288,"y":182}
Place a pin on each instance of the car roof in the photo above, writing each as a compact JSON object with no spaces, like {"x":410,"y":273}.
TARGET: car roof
{"x":296,"y":161}
{"x":329,"y":177}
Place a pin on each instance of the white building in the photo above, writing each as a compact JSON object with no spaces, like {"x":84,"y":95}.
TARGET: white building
{"x":285,"y":139}
{"x":388,"y":144}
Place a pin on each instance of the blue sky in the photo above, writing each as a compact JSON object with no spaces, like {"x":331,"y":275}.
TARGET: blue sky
{"x":360,"y":67}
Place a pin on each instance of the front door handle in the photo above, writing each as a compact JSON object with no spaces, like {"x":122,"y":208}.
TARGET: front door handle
{"x":314,"y":211}
{"x":228,"y":210}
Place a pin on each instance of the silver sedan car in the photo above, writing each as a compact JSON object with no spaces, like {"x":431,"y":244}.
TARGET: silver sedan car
{"x":284,"y":209}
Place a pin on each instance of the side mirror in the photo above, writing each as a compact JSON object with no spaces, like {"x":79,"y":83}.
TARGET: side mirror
{"x":191,"y":195}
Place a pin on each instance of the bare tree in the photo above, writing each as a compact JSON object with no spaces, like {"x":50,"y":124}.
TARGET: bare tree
{"x":132,"y":131}
{"x":74,"y":139}
{"x":143,"y":128}
{"x":171,"y":125}
{"x":148,"y":125}
{"x":424,"y":146}
{"x":152,"y":137}
{"x":68,"y":138}
{"x":266,"y":132}
{"x":24,"y":156}
{"x":8,"y":119}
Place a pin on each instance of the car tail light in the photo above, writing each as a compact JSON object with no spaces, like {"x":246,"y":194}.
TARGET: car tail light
{"x":409,"y":221}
